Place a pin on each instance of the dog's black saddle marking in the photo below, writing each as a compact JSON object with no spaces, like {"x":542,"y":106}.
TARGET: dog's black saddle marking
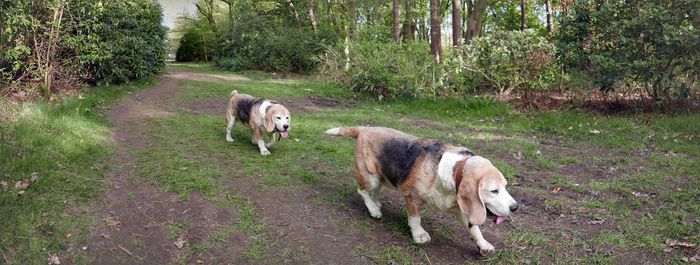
{"x":397,"y":157}
{"x":244,"y":107}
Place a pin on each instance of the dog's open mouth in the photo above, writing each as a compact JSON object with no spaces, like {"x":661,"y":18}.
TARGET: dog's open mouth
{"x":284,"y":134}
{"x":496,"y":219}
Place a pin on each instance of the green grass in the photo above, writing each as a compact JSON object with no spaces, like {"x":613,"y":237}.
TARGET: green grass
{"x":66,"y":145}
{"x":653,"y":155}
{"x":487,"y":127}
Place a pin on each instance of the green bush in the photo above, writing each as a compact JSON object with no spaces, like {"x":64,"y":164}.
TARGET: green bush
{"x":652,"y":46}
{"x":259,"y":42}
{"x":506,"y":61}
{"x":196,"y":44}
{"x":95,"y":41}
{"x":382,"y":69}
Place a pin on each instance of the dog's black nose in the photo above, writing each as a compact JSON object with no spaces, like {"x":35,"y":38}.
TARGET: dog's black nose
{"x":514,"y":207}
{"x":286,"y":126}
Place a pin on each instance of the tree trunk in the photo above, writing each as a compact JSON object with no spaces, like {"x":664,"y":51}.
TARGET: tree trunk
{"x":312,"y":15}
{"x":523,"y":24}
{"x":352,"y":20}
{"x":565,"y":8}
{"x":548,"y":7}
{"x":396,"y":26}
{"x":475,"y":19}
{"x":207,"y":10}
{"x":231,"y":5}
{"x":296,"y":13}
{"x":435,"y":35}
{"x":457,"y":23}
{"x":409,"y":23}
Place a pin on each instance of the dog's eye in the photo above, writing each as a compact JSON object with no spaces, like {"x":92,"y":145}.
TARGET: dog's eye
{"x":494,"y":191}
{"x":288,"y":118}
{"x":279,"y":118}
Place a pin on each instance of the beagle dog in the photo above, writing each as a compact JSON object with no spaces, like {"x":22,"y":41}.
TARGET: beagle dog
{"x":259,"y":114}
{"x":427,"y":171}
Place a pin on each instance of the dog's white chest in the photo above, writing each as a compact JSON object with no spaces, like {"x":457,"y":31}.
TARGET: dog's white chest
{"x":440,"y":198}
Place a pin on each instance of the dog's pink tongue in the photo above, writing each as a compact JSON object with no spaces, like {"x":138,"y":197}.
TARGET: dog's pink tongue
{"x":499,"y":220}
{"x":284,"y":134}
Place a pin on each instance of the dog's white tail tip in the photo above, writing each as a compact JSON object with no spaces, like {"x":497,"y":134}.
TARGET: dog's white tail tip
{"x":234,"y":92}
{"x":333,"y":131}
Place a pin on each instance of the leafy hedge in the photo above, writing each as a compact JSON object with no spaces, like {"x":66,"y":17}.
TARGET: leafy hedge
{"x":80,"y":41}
{"x":504,"y":61}
{"x":652,"y":46}
{"x":501,"y":63}
{"x":258,"y":42}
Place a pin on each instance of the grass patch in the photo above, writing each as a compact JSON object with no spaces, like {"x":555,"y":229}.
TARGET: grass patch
{"x":66,"y":145}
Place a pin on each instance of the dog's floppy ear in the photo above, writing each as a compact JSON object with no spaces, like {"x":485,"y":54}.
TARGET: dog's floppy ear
{"x":268,"y":121}
{"x":469,"y":199}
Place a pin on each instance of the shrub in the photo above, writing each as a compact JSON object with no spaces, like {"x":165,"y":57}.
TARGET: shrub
{"x":95,"y":41}
{"x":382,"y":70}
{"x":649,"y":45}
{"x":196,"y":43}
{"x":505,"y":61}
{"x":259,"y":42}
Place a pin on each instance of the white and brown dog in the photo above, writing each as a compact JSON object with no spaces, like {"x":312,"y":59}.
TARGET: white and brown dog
{"x":427,"y":171}
{"x":259,"y":114}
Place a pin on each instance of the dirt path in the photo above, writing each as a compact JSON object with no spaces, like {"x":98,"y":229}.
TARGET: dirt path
{"x":135,"y":219}
{"x":137,"y":222}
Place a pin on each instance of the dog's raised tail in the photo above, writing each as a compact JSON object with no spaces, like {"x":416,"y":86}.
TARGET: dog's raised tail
{"x":344,"y":131}
{"x":234,"y":92}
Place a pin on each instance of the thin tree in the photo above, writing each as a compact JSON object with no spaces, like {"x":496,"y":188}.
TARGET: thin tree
{"x":312,"y":15}
{"x":295,"y":12}
{"x":409,"y":22}
{"x":396,"y":26}
{"x":457,"y":23}
{"x":206,"y":8}
{"x":231,"y":5}
{"x":476,"y":16}
{"x":565,"y":8}
{"x":548,"y":7}
{"x":352,"y":19}
{"x":523,"y":24}
{"x":435,"y":35}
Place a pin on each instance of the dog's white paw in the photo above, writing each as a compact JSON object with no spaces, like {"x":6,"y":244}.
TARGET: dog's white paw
{"x":421,"y":237}
{"x":375,"y":213}
{"x":485,"y":248}
{"x":229,"y":139}
{"x":264,"y":152}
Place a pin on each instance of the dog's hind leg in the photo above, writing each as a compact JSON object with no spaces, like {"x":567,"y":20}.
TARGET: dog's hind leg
{"x":370,"y":186}
{"x":230,"y":121}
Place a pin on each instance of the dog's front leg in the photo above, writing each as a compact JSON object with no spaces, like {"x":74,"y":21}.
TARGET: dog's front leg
{"x":261,"y":143}
{"x":419,"y":234}
{"x":475,"y":233}
{"x":485,"y":247}
{"x":274,"y":135}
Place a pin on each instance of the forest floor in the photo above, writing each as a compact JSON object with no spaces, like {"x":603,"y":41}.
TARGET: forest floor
{"x":591,"y":188}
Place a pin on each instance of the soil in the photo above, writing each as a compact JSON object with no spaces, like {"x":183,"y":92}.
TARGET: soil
{"x":598,"y":102}
{"x":135,"y":219}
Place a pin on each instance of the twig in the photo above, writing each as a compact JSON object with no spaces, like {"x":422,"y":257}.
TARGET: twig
{"x":336,"y":237}
{"x":126,"y":250}
{"x":3,"y":255}
{"x":426,"y":257}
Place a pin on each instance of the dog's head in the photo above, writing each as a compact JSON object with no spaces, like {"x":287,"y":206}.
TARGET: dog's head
{"x":483,"y":188}
{"x":278,"y":118}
